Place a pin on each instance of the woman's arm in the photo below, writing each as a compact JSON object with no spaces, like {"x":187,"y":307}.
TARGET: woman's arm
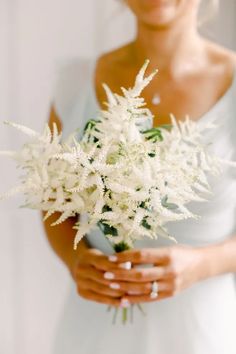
{"x":221,"y":257}
{"x":175,"y":268}
{"x":61,"y":239}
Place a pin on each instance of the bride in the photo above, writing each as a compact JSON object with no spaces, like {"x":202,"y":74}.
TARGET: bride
{"x":192,"y":309}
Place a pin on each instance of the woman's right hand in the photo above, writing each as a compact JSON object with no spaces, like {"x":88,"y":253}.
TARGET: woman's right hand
{"x":88,"y":273}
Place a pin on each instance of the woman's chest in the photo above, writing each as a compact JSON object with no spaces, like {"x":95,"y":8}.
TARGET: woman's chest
{"x":193,"y":95}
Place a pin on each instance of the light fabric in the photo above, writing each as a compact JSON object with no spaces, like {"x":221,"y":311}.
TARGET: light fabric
{"x":202,"y":318}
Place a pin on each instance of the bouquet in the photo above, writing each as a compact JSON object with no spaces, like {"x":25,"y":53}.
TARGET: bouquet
{"x":128,"y":178}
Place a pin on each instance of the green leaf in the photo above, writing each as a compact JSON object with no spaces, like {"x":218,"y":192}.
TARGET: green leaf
{"x":165,"y":126}
{"x":122,"y":246}
{"x":90,"y":124}
{"x":106,"y":208}
{"x":107,"y":229}
{"x":152,"y":154}
{"x":165,"y":204}
{"x":153,"y":134}
{"x":145,"y":224}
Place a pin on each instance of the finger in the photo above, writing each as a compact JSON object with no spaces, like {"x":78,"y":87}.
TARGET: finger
{"x":91,"y":273}
{"x":99,"y":288}
{"x":102,"y":262}
{"x":139,"y":274}
{"x":92,"y":296}
{"x":144,"y":255}
{"x":137,"y":299}
{"x":140,"y":288}
{"x":85,"y":256}
{"x":98,"y":260}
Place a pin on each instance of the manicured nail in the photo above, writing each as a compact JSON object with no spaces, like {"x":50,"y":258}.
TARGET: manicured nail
{"x":124,"y":303}
{"x":153,"y":295}
{"x":109,"y":275}
{"x":112,"y":258}
{"x":133,"y":292}
{"x":125,"y":265}
{"x":114,"y":286}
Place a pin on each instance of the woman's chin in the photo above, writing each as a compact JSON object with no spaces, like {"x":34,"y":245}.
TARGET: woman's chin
{"x":157,"y":2}
{"x":158,"y":20}
{"x":157,"y":13}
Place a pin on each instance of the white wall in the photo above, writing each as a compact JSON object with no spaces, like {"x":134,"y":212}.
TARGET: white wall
{"x":34,"y":35}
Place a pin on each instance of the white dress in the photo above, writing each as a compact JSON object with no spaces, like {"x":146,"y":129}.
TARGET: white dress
{"x":202,"y":318}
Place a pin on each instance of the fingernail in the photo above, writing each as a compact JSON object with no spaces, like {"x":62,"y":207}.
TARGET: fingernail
{"x":108,"y":275}
{"x":112,"y":258}
{"x":125,"y":265}
{"x":133,"y":292}
{"x":153,"y":295}
{"x":124,"y":303}
{"x":114,"y":286}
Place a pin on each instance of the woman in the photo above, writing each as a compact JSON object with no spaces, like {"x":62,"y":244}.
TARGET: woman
{"x":194,"y":309}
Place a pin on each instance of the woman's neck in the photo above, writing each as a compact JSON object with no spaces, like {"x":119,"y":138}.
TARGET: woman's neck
{"x":172,"y":50}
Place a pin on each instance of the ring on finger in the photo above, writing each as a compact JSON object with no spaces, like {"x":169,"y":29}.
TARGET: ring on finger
{"x":154,"y":290}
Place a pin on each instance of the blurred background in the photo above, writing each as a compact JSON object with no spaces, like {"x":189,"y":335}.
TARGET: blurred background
{"x":35,"y":35}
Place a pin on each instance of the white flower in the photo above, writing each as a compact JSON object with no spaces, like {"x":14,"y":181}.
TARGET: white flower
{"x":125,"y":178}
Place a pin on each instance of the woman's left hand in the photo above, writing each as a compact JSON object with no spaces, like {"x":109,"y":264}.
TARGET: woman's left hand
{"x":174,"y":268}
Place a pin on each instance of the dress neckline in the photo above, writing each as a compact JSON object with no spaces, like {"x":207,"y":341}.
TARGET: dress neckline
{"x":205,"y":117}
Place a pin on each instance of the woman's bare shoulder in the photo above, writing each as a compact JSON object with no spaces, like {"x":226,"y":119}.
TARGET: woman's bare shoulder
{"x":115,"y":57}
{"x":221,"y":55}
{"x":113,"y":68}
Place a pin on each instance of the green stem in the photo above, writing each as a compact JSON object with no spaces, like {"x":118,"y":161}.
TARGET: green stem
{"x":141,"y":309}
{"x":109,"y":308}
{"x":132,"y":313}
{"x":119,"y":248}
{"x":115,"y":315}
{"x":124,"y":315}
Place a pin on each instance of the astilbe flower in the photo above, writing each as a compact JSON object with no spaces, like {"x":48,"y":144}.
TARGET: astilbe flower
{"x":127,"y":177}
{"x":142,"y":178}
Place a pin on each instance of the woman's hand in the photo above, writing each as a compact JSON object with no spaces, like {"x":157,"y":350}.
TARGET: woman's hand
{"x":103,"y":278}
{"x":174,"y":268}
{"x":88,"y":273}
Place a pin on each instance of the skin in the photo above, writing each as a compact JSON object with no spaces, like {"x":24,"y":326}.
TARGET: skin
{"x":167,"y":35}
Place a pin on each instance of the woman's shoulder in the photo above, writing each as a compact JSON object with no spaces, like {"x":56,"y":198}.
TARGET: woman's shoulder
{"x":116,"y":56}
{"x":222,"y":65}
{"x":112,"y":63}
{"x":113,"y":67}
{"x":221,"y":55}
